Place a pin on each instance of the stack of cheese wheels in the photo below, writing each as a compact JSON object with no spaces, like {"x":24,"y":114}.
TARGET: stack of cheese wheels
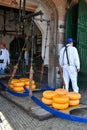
{"x":61,"y":100}
{"x":48,"y":97}
{"x":11,"y":85}
{"x":27,"y":84}
{"x":17,"y":85}
{"x":74,"y":98}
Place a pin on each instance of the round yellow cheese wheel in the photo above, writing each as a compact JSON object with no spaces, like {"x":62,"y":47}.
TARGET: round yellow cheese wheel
{"x":33,"y":86}
{"x":61,"y":99}
{"x":18,"y":84}
{"x":14,"y":81}
{"x":74,"y":102}
{"x":60,"y":106}
{"x":26,"y":83}
{"x":46,"y":101}
{"x":24,"y":79}
{"x":49,"y":94}
{"x":33,"y":82}
{"x":61,"y":91}
{"x":18,"y":89}
{"x":74,"y":95}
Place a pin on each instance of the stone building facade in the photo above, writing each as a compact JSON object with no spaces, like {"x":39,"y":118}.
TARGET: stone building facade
{"x":55,"y":11}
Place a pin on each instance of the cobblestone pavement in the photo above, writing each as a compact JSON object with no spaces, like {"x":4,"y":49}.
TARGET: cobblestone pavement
{"x":17,"y":119}
{"x":4,"y":124}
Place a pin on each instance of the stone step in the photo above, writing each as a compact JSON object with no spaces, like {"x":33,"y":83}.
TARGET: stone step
{"x":40,"y":113}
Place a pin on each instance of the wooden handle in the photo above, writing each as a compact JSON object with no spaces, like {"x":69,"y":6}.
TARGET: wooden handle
{"x":61,"y":76}
{"x":31,"y":78}
{"x":42,"y":70}
{"x":13,"y":73}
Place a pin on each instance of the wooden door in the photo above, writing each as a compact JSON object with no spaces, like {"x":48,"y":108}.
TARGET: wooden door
{"x":76,"y":27}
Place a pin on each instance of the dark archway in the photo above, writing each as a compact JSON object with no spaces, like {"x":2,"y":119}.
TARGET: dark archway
{"x":15,"y":48}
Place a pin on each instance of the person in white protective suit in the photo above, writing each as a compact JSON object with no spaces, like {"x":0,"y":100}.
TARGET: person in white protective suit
{"x":4,"y":57}
{"x":26,"y":56}
{"x":27,"y":50}
{"x":69,"y":62}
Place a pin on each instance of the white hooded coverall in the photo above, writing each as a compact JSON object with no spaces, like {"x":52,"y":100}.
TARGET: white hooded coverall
{"x":5,"y":57}
{"x":70,"y":70}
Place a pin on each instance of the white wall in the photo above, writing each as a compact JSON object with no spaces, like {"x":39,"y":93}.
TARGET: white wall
{"x":42,"y":26}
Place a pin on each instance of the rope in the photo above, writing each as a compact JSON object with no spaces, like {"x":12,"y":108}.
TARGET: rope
{"x":16,"y":66}
{"x":31,"y":68}
{"x":42,"y":67}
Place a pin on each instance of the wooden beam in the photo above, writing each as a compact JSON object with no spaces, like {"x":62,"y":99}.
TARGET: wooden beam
{"x":8,"y":3}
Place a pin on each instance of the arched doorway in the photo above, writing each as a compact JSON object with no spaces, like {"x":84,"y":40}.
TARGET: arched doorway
{"x":72,"y":22}
{"x":50,"y":12}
